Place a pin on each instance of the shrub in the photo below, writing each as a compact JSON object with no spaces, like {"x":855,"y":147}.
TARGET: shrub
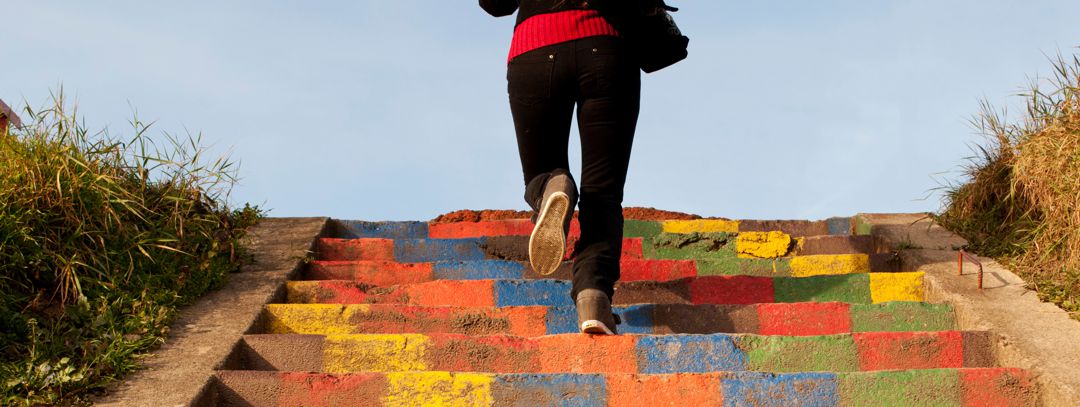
{"x":100,"y":240}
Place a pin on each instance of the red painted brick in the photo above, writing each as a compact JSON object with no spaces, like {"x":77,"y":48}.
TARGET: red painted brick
{"x":909,"y":350}
{"x":458,"y":293}
{"x":587,"y":354}
{"x":731,"y":290}
{"x":355,"y":249}
{"x":378,"y":272}
{"x":998,"y":387}
{"x":463,"y":230}
{"x":805,"y":318}
{"x":664,"y":390}
{"x":657,"y":270}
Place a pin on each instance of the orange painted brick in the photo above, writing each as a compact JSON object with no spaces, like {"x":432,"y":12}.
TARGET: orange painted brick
{"x":355,"y":249}
{"x":909,"y":350}
{"x":998,"y":387}
{"x":804,"y":319}
{"x":464,"y":230}
{"x":674,"y":390}
{"x":459,"y":293}
{"x":377,"y":272}
{"x":320,"y":389}
{"x":587,"y":354}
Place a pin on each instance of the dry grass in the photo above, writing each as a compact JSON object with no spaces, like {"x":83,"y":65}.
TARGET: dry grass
{"x":1021,"y":202}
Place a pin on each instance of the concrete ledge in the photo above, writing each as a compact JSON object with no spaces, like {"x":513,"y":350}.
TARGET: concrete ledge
{"x":177,"y":373}
{"x":1030,"y":334}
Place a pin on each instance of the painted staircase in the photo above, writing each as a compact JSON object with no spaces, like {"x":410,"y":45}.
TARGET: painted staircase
{"x":715,"y":312}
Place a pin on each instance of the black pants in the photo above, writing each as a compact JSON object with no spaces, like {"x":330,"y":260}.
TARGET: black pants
{"x":599,"y":76}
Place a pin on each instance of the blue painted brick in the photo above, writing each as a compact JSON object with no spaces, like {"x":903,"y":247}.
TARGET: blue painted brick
{"x":767,"y":389}
{"x":434,"y":250}
{"x":552,"y":293}
{"x":839,"y":226}
{"x":689,"y":354}
{"x":636,"y":319}
{"x":564,"y":390}
{"x":478,"y":270}
{"x":561,"y":320}
{"x":352,"y":229}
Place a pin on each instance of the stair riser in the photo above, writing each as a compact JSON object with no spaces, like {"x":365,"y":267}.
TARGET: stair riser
{"x":576,"y":353}
{"x":796,"y":319}
{"x":946,"y":387}
{"x":853,"y":288}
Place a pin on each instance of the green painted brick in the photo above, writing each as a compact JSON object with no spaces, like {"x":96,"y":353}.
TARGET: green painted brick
{"x":744,"y":267}
{"x":850,"y":288}
{"x":901,"y":388}
{"x":692,"y":246}
{"x":902,"y":316}
{"x":641,"y":228}
{"x":831,"y":353}
{"x":862,"y":227}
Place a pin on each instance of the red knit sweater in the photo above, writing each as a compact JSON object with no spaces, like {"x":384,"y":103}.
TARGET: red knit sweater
{"x":552,"y":28}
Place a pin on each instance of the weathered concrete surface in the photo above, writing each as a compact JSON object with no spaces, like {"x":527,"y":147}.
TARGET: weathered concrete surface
{"x":206,"y":332}
{"x":1034,"y":335}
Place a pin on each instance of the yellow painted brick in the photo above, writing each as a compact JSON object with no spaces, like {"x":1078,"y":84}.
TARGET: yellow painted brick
{"x":762,"y":245}
{"x":701,"y":226}
{"x":885,"y":287}
{"x":829,"y":264}
{"x":375,"y":353}
{"x":322,"y":319}
{"x":439,"y":389}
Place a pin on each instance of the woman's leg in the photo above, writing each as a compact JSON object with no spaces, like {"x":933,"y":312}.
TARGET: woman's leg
{"x":609,"y":101}
{"x":542,"y":108}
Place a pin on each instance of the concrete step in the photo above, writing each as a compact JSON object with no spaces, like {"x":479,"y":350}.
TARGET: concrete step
{"x":795,"y":319}
{"x":654,"y":354}
{"x":936,"y":387}
{"x":850,"y":288}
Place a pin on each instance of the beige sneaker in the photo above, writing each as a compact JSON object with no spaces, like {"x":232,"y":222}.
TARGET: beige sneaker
{"x":594,"y":313}
{"x":547,"y":243}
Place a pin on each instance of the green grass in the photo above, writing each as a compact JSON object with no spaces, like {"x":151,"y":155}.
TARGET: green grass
{"x":1020,"y":201}
{"x":101,"y":239}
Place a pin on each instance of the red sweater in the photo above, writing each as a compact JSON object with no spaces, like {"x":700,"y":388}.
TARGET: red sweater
{"x":552,"y":28}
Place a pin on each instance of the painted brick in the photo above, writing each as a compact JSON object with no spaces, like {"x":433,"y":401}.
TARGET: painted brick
{"x":688,"y":354}
{"x":850,"y":288}
{"x":327,"y":292}
{"x":731,"y":290}
{"x":607,"y":354}
{"x":463,"y":230}
{"x":839,"y":226}
{"x":561,"y":320}
{"x":701,"y":226}
{"x":830,"y":353}
{"x":705,"y":319}
{"x":781,"y":390}
{"x":762,"y":245}
{"x":564,"y":390}
{"x":673,"y":390}
{"x":460,"y":293}
{"x":745,"y":267}
{"x":909,"y":350}
{"x":323,"y":389}
{"x":352,"y":229}
{"x":887,"y":287}
{"x":804,"y":319}
{"x":998,"y":387}
{"x":355,"y":249}
{"x":497,"y":353}
{"x":901,"y":388}
{"x":636,"y":319}
{"x":902,"y":316}
{"x":632,"y":248}
{"x":554,"y":293}
{"x":641,"y":228}
{"x":795,"y":228}
{"x":829,"y":264}
{"x":329,"y":319}
{"x":478,"y":270}
{"x":371,"y":272}
{"x":433,"y":250}
{"x":656,"y":270}
{"x":438,"y":389}
{"x":375,"y":353}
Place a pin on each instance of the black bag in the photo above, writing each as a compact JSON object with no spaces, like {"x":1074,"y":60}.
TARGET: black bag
{"x":657,"y":40}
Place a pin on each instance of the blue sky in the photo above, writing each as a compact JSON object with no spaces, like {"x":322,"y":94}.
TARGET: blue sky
{"x":397,"y":109}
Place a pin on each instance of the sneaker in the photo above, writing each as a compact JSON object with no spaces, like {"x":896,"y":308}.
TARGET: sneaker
{"x":594,"y":313}
{"x":547,"y":243}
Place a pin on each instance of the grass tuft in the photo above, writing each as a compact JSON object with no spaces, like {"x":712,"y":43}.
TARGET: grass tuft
{"x":1020,"y":201}
{"x":101,"y":239}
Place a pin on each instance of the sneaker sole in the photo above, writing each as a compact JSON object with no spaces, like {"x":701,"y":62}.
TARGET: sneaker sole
{"x":547,"y":243}
{"x":595,"y":327}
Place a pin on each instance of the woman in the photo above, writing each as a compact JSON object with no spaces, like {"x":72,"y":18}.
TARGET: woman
{"x":567,"y":53}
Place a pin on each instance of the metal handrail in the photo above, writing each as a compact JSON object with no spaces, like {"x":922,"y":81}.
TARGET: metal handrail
{"x":961,"y":255}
